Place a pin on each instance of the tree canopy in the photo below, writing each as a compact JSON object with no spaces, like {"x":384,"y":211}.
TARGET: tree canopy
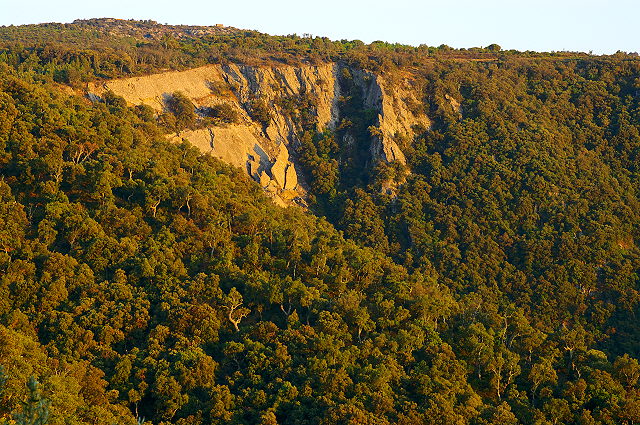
{"x":141,"y":281}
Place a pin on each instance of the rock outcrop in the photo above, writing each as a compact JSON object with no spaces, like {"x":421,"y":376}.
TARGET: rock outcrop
{"x":264,"y":146}
{"x":260,"y":150}
{"x":457,"y":108}
{"x":396,"y":120}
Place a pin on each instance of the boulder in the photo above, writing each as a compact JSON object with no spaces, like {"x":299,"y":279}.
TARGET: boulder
{"x":264,"y":179}
{"x":291,"y":177}
{"x":253,"y":168}
{"x":279,"y":168}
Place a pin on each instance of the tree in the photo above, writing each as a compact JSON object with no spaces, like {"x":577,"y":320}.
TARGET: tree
{"x":235,"y":311}
{"x":183,"y":109}
{"x":35,"y":410}
{"x":223,"y":111}
{"x":627,"y":370}
{"x":260,"y":111}
{"x":541,"y":373}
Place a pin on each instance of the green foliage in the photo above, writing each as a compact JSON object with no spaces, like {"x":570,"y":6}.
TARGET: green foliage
{"x":35,"y":410}
{"x":223,"y":112}
{"x":140,"y":279}
{"x":167,"y":286}
{"x":183,"y":109}
{"x":79,"y":52}
{"x":259,"y":111}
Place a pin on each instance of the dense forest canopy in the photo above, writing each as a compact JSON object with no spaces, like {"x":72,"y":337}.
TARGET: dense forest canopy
{"x":142,"y":281}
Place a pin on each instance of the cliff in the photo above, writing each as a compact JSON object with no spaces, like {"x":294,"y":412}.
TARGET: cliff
{"x":265,"y":146}
{"x":396,"y":120}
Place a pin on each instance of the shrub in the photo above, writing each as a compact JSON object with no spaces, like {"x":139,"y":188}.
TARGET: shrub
{"x":223,"y":112}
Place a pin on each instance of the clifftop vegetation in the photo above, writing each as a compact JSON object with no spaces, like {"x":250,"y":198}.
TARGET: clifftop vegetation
{"x":110,"y":48}
{"x":492,"y":279}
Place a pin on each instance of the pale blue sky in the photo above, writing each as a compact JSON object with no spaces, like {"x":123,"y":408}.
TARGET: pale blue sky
{"x":603,"y":26}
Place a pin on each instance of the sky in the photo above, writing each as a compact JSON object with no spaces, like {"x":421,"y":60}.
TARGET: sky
{"x":602,"y":27}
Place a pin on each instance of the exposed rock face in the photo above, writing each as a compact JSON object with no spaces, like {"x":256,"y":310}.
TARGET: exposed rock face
{"x":291,"y":177}
{"x":279,"y":168}
{"x":260,"y":150}
{"x":454,"y":104}
{"x":264,"y":179}
{"x":283,"y":171}
{"x":264,"y":147}
{"x":269,"y":84}
{"x":239,"y":145}
{"x":395,"y":119}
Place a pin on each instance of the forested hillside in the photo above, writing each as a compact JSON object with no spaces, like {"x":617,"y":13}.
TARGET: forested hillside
{"x":488,"y":277}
